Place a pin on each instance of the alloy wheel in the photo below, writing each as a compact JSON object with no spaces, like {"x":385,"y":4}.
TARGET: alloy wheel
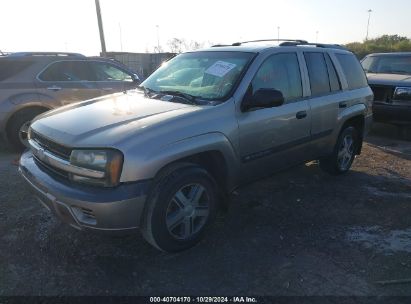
{"x":188,"y":211}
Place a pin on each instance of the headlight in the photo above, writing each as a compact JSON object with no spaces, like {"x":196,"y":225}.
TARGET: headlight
{"x":107,"y":162}
{"x":402,"y":93}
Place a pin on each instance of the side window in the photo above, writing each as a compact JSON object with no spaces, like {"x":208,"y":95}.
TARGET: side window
{"x":108,"y":72}
{"x":11,"y":68}
{"x":68,"y":71}
{"x":332,"y":73}
{"x":280,"y":72}
{"x":353,"y":71}
{"x":318,"y":73}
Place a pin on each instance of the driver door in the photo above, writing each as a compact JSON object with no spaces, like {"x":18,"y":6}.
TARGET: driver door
{"x":277,"y":137}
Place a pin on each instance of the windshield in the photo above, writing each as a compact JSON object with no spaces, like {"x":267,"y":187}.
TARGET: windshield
{"x":204,"y":75}
{"x":387,"y":64}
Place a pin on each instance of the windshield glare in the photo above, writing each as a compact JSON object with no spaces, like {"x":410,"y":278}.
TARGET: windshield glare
{"x":206,"y":75}
{"x":387,"y":64}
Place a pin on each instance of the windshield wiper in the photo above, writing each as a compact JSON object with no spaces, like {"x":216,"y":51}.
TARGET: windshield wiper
{"x":190,"y":98}
{"x":150,"y":93}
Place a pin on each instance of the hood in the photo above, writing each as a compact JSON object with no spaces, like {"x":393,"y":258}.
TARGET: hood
{"x":389,"y":79}
{"x":104,"y":121}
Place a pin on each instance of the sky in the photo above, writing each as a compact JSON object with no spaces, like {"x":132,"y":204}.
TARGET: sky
{"x":134,"y":25}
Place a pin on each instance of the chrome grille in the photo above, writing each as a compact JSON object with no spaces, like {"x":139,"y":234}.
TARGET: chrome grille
{"x":51,"y":146}
{"x":50,"y":169}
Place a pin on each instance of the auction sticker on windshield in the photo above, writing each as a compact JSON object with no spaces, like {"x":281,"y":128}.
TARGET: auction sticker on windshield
{"x":220,"y":68}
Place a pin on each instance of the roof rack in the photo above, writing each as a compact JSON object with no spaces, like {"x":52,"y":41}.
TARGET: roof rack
{"x":320,"y":45}
{"x":3,"y":53}
{"x":288,"y":42}
{"x":299,"y":41}
{"x":221,"y":45}
{"x":26,"y":54}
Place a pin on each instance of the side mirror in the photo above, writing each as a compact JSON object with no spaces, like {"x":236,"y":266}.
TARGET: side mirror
{"x":136,"y":78}
{"x":263,"y":98}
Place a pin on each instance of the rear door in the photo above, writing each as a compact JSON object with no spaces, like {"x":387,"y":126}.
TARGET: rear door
{"x":273,"y":138}
{"x":111,"y":78}
{"x":68,"y":81}
{"x":325,"y":87}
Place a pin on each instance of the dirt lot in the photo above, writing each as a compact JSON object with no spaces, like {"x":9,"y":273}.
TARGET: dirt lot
{"x":300,"y":232}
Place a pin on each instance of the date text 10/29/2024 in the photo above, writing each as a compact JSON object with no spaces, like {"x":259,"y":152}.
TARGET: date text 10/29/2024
{"x":203,"y":300}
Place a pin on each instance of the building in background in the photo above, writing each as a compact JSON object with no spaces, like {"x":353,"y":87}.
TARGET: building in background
{"x":142,"y":63}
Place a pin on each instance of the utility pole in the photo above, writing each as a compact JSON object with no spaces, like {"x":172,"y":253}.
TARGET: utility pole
{"x":368,"y":24}
{"x":316,"y":37}
{"x":278,"y":33}
{"x":121,"y":37}
{"x":158,"y":38}
{"x":100,"y":28}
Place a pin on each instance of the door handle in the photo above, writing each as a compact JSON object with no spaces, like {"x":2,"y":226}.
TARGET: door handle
{"x":107,"y":89}
{"x":54,"y":88}
{"x":301,"y":114}
{"x":342,"y":105}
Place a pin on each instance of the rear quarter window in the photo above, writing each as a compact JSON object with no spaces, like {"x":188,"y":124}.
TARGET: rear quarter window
{"x":353,"y":71}
{"x":10,"y":68}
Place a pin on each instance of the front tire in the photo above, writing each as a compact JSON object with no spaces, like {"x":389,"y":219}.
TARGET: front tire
{"x":180,"y":208}
{"x":340,"y":161}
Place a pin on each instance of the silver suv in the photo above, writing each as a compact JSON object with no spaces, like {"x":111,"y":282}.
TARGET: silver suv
{"x":32,"y":83}
{"x":164,"y":158}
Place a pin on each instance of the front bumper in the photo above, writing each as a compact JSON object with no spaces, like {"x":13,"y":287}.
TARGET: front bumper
{"x":400,"y":114}
{"x":86,"y":207}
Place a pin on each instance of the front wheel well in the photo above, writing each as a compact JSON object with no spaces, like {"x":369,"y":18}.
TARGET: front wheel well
{"x":358,"y":123}
{"x":15,"y":122}
{"x":212,"y":161}
{"x":24,"y":111}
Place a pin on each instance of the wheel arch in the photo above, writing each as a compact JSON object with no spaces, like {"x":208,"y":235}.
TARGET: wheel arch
{"x":358,"y":122}
{"x":22,"y":109}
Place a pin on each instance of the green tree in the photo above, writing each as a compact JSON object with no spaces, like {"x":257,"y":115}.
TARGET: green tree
{"x":382,"y":44}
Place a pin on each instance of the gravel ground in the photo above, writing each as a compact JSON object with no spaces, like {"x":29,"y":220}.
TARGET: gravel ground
{"x":300,"y":232}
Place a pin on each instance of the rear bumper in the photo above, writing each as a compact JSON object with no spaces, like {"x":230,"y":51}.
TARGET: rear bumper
{"x":86,"y":207}
{"x":399,"y":114}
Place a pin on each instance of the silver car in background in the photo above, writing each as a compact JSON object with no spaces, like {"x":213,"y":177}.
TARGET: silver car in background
{"x":33,"y":83}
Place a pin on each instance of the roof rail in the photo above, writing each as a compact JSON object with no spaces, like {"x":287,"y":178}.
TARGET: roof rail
{"x":320,"y":45}
{"x":299,"y":41}
{"x":26,"y":54}
{"x":220,"y":45}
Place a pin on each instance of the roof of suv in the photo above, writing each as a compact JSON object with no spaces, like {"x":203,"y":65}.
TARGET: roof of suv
{"x":258,"y":46}
{"x":42,"y":54}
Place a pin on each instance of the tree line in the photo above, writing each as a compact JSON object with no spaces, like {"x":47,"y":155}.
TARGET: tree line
{"x":382,"y":44}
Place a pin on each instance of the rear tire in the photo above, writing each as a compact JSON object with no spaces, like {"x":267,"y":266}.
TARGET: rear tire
{"x":340,"y":161}
{"x":180,"y":208}
{"x":18,"y":127}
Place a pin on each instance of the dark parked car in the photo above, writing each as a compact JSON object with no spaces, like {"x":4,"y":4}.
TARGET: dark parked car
{"x":33,"y":83}
{"x":389,"y":76}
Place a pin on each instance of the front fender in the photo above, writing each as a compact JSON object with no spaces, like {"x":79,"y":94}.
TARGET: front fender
{"x":146,"y":167}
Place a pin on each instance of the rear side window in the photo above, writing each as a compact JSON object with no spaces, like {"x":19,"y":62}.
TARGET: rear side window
{"x":353,"y":71}
{"x":318,"y":73}
{"x":10,"y":68}
{"x":332,"y":73}
{"x":68,"y":71}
